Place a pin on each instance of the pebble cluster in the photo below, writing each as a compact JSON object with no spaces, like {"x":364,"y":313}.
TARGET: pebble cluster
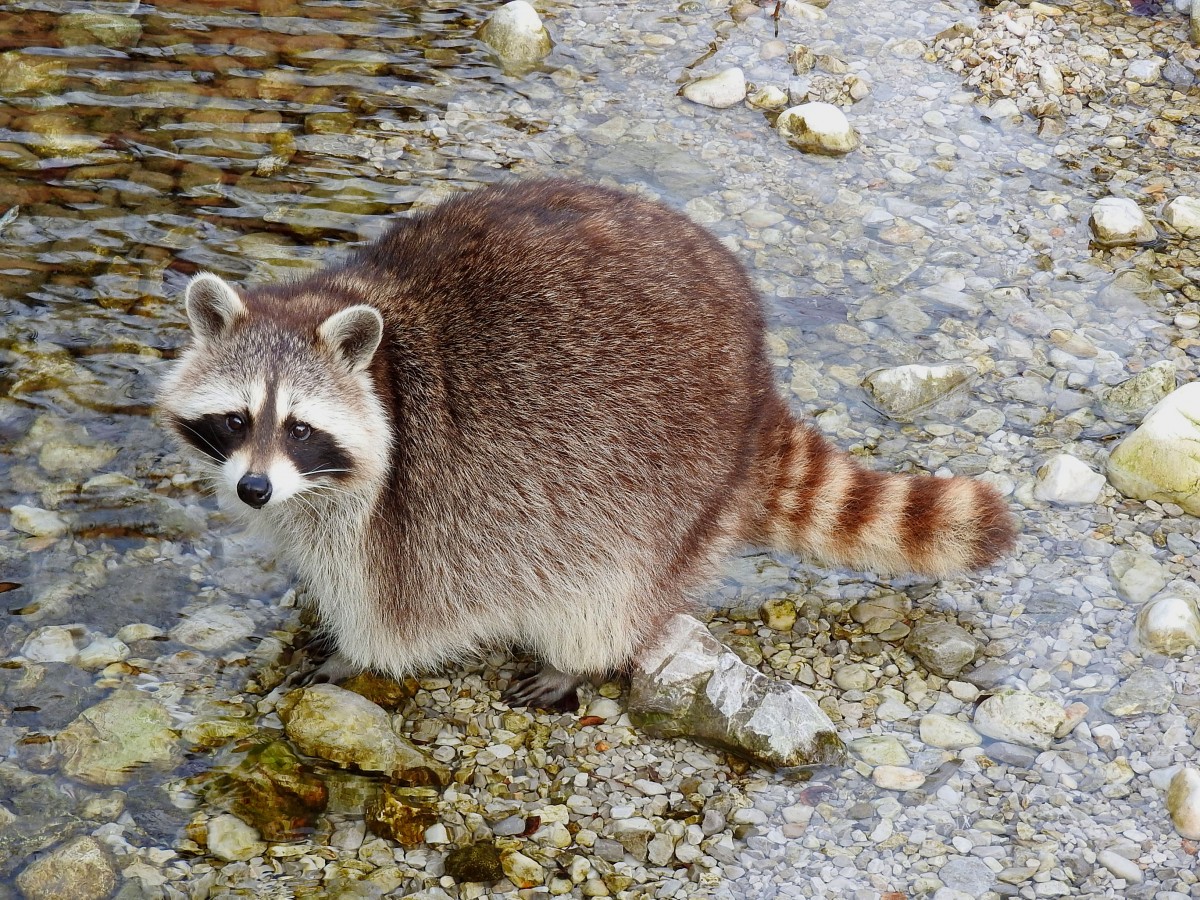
{"x":964,"y":281}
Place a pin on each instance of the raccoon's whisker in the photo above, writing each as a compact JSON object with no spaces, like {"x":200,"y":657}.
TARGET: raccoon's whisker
{"x":323,"y":472}
{"x":222,"y":456}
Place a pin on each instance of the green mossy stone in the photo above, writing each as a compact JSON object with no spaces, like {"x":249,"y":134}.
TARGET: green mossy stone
{"x":478,"y":862}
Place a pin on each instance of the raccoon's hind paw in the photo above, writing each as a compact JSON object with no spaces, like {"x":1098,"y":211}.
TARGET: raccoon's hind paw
{"x":547,"y":689}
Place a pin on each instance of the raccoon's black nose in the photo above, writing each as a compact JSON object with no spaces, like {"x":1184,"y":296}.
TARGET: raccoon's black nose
{"x":255,"y":490}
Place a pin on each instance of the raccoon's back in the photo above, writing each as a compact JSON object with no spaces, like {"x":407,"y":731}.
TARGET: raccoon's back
{"x":571,"y":362}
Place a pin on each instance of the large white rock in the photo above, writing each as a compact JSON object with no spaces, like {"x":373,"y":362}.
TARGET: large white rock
{"x":817,"y":128}
{"x":1019,"y":717}
{"x":1137,"y":576}
{"x":1050,"y":79}
{"x":1183,"y":214}
{"x":516,"y":33}
{"x":721,"y":90}
{"x":231,"y":839}
{"x":1170,"y":623}
{"x":54,"y":643}
{"x":1159,"y":460}
{"x":1120,"y":222}
{"x":37,"y":522}
{"x":1065,"y":479}
{"x":1183,"y":800}
{"x":691,"y":685}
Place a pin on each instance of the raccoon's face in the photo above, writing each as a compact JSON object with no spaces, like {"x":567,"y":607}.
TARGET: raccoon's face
{"x":278,"y":409}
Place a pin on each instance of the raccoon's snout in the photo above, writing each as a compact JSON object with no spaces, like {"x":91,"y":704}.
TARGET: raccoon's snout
{"x":254,"y":490}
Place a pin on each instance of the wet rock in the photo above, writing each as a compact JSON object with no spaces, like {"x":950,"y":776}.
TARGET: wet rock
{"x":380,"y":690}
{"x":1065,"y":479}
{"x":214,"y":627}
{"x":1169,"y":624}
{"x":478,"y":862}
{"x":947,"y":732}
{"x":1137,"y":577}
{"x":516,"y":34}
{"x":969,"y":876}
{"x":1183,"y":214}
{"x":1157,"y":461}
{"x":634,"y":835}
{"x":402,"y":814}
{"x":880,"y":750}
{"x":108,"y":742}
{"x":904,"y":391}
{"x":779,"y":614}
{"x":1019,"y":717}
{"x":231,"y":839}
{"x":101,"y":652}
{"x":349,"y":730}
{"x":722,"y":90}
{"x":1120,"y":222}
{"x":84,"y":29}
{"x":1145,"y":691}
{"x":1183,"y":802}
{"x":897,"y":778}
{"x":1120,"y":866}
{"x":53,"y":643}
{"x":1131,"y":400}
{"x":1144,"y":71}
{"x":691,"y":686}
{"x":817,"y":128}
{"x":271,"y":790}
{"x":944,"y":648}
{"x":26,"y":73}
{"x":768,"y":97}
{"x":80,"y":869}
{"x":521,"y":870}
{"x":37,"y":522}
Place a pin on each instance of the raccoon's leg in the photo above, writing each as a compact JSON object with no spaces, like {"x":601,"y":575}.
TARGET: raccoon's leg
{"x":336,"y":668}
{"x":547,"y":689}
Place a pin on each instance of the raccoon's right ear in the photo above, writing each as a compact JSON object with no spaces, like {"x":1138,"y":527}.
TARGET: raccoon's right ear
{"x":353,"y":335}
{"x":212,"y":305}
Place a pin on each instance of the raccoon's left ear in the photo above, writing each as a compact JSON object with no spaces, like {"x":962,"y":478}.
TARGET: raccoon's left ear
{"x":212,"y":305}
{"x":353,"y":335}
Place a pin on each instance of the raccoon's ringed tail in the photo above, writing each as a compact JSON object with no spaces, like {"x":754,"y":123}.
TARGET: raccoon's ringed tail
{"x":823,"y":505}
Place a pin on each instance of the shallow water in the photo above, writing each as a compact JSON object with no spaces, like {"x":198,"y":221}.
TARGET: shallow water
{"x":256,"y":142}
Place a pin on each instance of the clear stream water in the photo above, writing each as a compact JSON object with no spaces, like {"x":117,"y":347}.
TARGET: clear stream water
{"x":257,"y":139}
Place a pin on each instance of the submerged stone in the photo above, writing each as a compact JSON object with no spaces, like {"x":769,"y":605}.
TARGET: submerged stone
{"x":83,"y":29}
{"x":107,"y":743}
{"x":1120,"y":222}
{"x":904,"y":391}
{"x":479,"y":862}
{"x":722,"y":90}
{"x":1169,"y":624}
{"x":381,"y":690}
{"x":402,"y":814}
{"x":945,"y":648}
{"x":1144,"y":691}
{"x":81,"y":869}
{"x":1020,"y":717}
{"x":231,"y":839}
{"x":517,"y":36}
{"x":272,"y":790}
{"x":27,"y":73}
{"x":817,"y":128}
{"x":690,"y":685}
{"x":1132,"y":399}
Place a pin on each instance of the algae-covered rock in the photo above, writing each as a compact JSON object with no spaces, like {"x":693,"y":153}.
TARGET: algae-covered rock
{"x":29,"y":73}
{"x":272,"y":790}
{"x":479,"y":862}
{"x":1183,"y":802}
{"x":517,"y":36}
{"x":381,"y":690}
{"x":1158,"y":461}
{"x":817,"y":128}
{"x":402,"y":814}
{"x":1169,"y":624}
{"x":1133,"y":398}
{"x":230,"y":839}
{"x":689,"y":685}
{"x":1144,"y":691}
{"x":945,"y":648}
{"x":82,"y":29}
{"x":904,"y":391}
{"x":108,"y":742}
{"x":81,"y":869}
{"x":349,"y":730}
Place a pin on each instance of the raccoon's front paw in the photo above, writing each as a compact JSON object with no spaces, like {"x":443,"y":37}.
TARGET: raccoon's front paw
{"x":336,"y":668}
{"x":547,"y":689}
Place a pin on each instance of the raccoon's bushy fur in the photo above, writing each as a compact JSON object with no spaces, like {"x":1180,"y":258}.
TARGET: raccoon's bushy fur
{"x":569,"y":420}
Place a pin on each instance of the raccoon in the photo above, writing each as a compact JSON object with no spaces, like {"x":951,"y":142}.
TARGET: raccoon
{"x":540,"y":415}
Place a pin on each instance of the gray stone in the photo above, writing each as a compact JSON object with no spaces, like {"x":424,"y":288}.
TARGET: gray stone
{"x":1144,"y":691}
{"x":214,"y":627}
{"x":1020,"y":717}
{"x":689,"y":685}
{"x":1131,"y":400}
{"x":944,"y":648}
{"x":108,"y":742}
{"x":969,"y":875}
{"x":1138,"y":577}
{"x":1065,"y":479}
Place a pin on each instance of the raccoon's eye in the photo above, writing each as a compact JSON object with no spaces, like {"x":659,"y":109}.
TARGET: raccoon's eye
{"x":234,"y":422}
{"x":300,"y":431}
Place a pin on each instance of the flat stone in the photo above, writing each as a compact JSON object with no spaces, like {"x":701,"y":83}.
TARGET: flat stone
{"x":37,"y":522}
{"x":970,"y":875}
{"x":1144,"y":691}
{"x":880,"y":750}
{"x":230,"y":839}
{"x":1183,"y":214}
{"x":110,"y":741}
{"x":904,"y":391}
{"x":897,"y":778}
{"x":1121,"y":867}
{"x":689,"y":685}
{"x":214,"y":627}
{"x":1137,"y":577}
{"x":720,"y":91}
{"x":947,"y":732}
{"x":1130,"y":401}
{"x":1019,"y":717}
{"x":945,"y":649}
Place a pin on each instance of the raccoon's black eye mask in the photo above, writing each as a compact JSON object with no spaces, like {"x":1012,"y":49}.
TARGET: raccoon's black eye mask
{"x":216,"y":435}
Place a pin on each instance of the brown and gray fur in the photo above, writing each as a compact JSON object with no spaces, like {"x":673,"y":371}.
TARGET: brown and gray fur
{"x":569,"y":421}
